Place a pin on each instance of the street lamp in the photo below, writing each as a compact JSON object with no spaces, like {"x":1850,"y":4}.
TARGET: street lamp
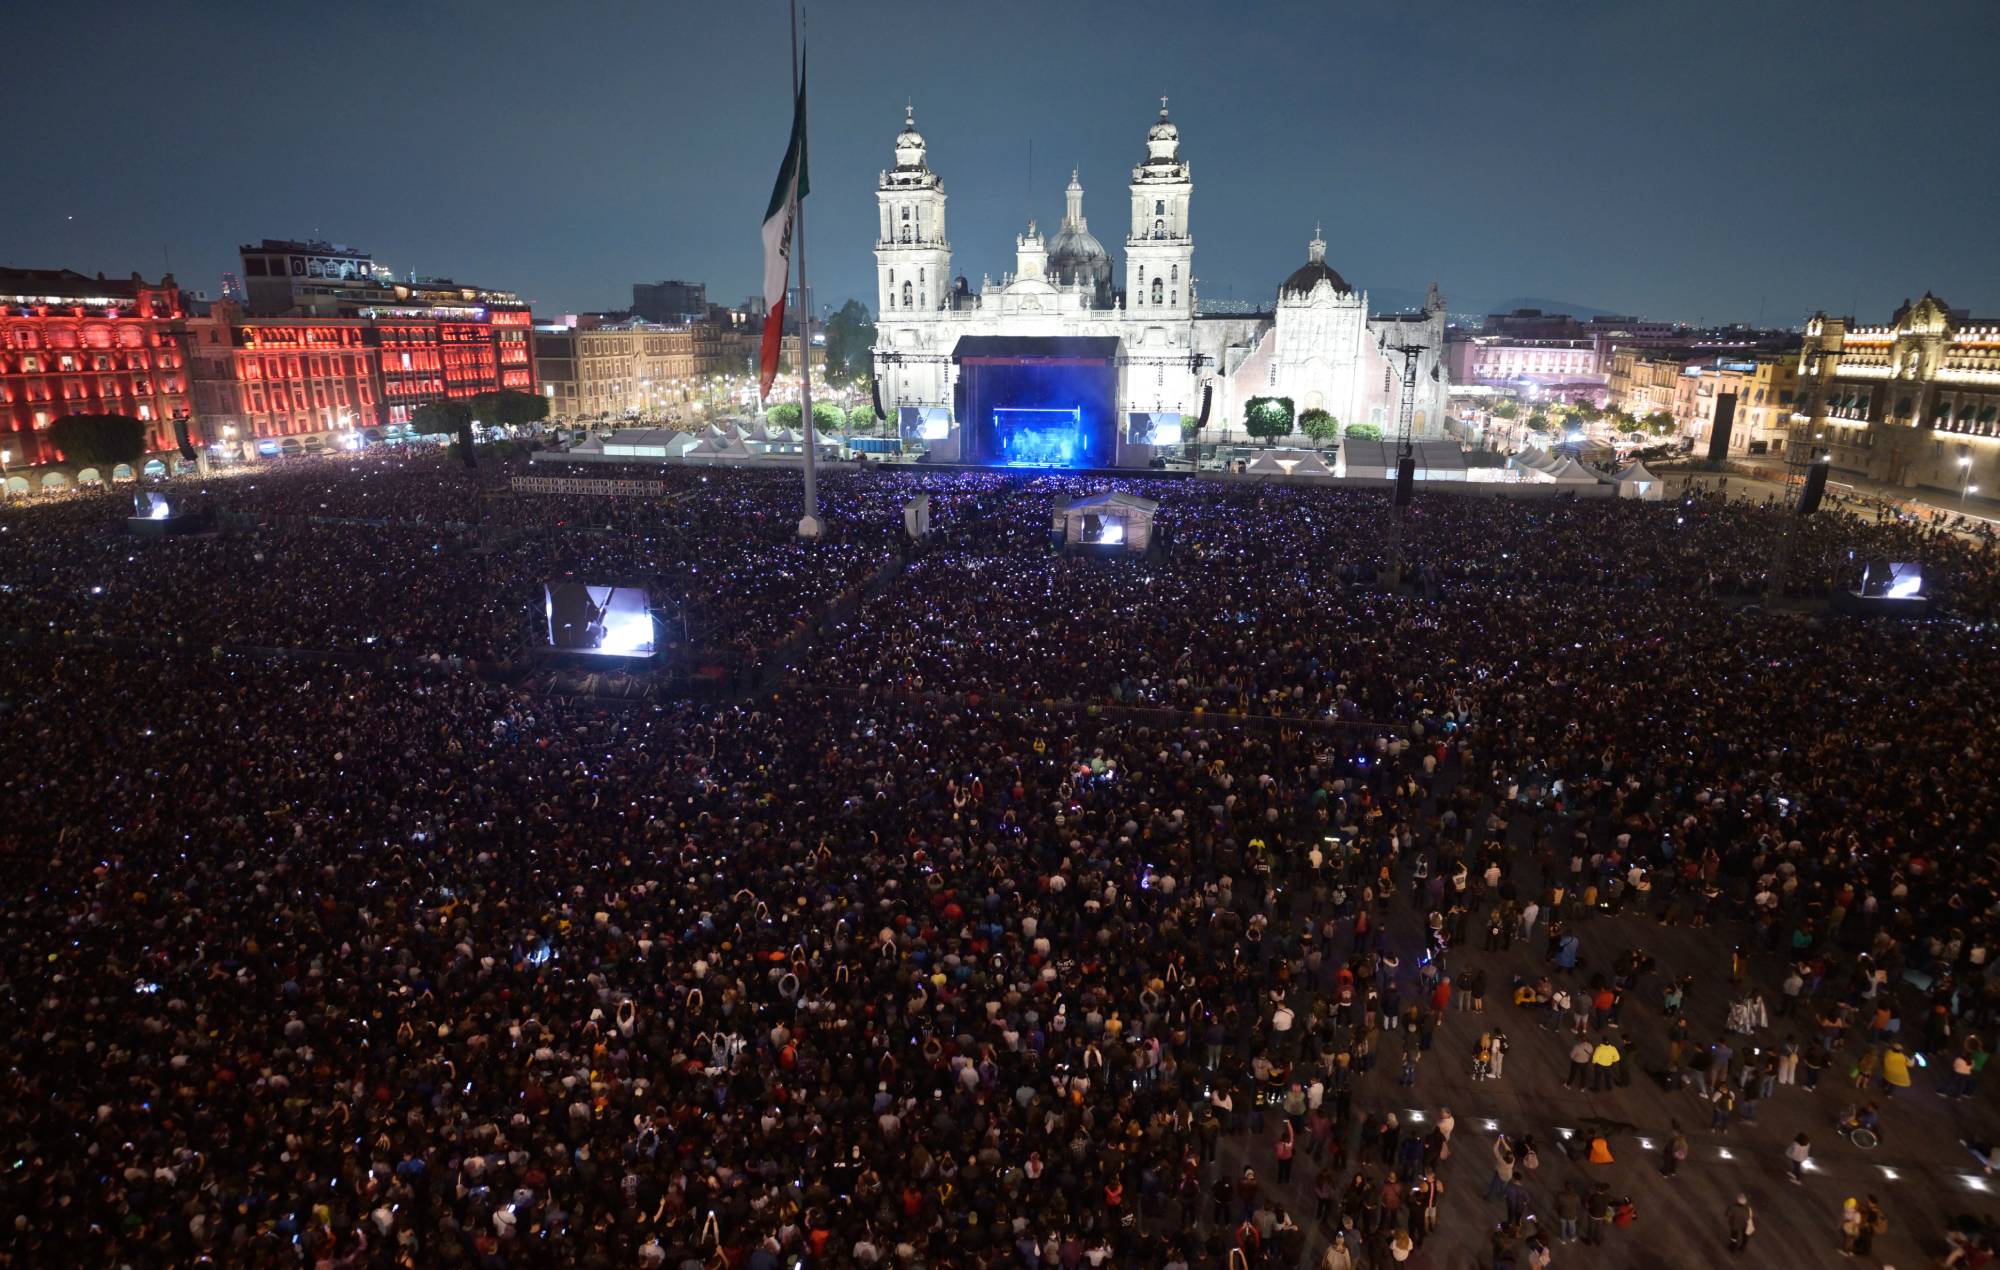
{"x":1965,"y":485}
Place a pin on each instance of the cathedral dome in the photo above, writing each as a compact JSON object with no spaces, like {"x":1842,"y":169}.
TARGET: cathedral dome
{"x":1313,"y":272}
{"x":1076,"y":258}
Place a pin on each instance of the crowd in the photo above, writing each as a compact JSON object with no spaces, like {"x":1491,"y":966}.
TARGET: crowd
{"x":1059,"y":912}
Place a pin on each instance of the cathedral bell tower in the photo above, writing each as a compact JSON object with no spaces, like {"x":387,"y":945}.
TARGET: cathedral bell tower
{"x":912,"y":254}
{"x":1159,"y":254}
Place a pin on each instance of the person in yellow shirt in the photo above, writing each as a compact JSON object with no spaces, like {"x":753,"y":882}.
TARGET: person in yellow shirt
{"x":1895,"y":1069}
{"x":1603,"y":1062}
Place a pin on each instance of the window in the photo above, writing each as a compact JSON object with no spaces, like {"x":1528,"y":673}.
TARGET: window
{"x":1159,"y":229}
{"x":1174,"y":275}
{"x":906,"y":295}
{"x":1159,"y":290}
{"x":1159,"y":207}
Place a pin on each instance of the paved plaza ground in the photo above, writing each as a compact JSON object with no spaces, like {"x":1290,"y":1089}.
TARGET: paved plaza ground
{"x":1922,"y":1175}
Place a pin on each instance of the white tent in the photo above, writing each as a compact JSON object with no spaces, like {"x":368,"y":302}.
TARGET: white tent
{"x":1289,"y":463}
{"x":1571,"y":472}
{"x":1108,"y":519}
{"x":1637,"y":482}
{"x":1533,"y":465}
{"x":717,"y":448}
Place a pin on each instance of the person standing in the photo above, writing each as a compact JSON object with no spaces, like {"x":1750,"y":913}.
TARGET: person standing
{"x":1742,"y":1223}
{"x":1603,"y":1057}
{"x":1850,"y":1225}
{"x":1598,"y":1209}
{"x":1579,"y":1065}
{"x":1568,"y":1209}
{"x":1676,"y":1151}
{"x":1873,"y":1222}
{"x":1503,"y":1168}
{"x":1798,"y":1153}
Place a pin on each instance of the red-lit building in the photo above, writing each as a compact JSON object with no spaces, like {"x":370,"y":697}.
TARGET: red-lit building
{"x":278,"y":377}
{"x":71,"y":344}
{"x":281,"y":377}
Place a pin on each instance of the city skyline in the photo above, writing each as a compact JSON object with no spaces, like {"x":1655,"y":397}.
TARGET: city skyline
{"x":1687,"y":173}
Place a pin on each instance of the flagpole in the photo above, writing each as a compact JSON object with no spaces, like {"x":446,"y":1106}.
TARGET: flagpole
{"x":810,"y":525}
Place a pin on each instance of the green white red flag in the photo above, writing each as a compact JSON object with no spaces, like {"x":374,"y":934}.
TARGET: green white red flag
{"x":780,"y":221}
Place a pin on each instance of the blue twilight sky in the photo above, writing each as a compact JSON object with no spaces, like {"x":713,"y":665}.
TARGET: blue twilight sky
{"x":1698,"y":161}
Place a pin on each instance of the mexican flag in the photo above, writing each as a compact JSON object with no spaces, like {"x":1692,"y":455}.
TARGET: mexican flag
{"x":779,"y":219}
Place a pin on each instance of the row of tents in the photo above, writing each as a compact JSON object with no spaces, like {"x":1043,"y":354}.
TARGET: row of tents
{"x":717,"y":441}
{"x":1548,"y":466}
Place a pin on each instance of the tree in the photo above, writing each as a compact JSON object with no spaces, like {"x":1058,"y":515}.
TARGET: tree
{"x":1505,"y":410}
{"x":442,"y":417}
{"x":509,"y":407}
{"x":1319,"y":424}
{"x":1268,"y":418}
{"x":850,"y":344}
{"x":99,"y":440}
{"x":1659,"y":423}
{"x":828,"y":417}
{"x":1365,"y":431}
{"x":450,"y":417}
{"x":863,"y":418}
{"x":1538,"y":422}
{"x":786,"y":414}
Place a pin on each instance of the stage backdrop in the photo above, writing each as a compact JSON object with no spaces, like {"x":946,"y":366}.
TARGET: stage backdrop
{"x":1038,"y":400}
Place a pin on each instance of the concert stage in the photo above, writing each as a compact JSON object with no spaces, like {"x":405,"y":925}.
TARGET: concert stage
{"x":1037,"y":401}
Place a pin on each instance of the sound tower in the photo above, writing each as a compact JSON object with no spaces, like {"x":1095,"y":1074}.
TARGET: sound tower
{"x":1406,"y":479}
{"x":875,"y":397}
{"x":181,"y":438}
{"x":1815,"y":487}
{"x":465,"y":442}
{"x":1725,"y":420}
{"x":1207,"y":391}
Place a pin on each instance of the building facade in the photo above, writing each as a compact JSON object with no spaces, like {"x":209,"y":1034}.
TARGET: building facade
{"x":310,"y":378}
{"x":1316,"y":343}
{"x":670,"y":303}
{"x":288,"y":278}
{"x":1913,"y":403}
{"x":630,"y":367}
{"x":281,"y":377}
{"x":1553,"y":368}
{"x":71,"y":344}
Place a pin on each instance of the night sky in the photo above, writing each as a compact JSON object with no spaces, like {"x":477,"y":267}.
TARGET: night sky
{"x":1728,"y":162}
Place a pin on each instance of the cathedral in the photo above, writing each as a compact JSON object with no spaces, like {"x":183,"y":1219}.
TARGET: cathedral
{"x":1067,"y":303}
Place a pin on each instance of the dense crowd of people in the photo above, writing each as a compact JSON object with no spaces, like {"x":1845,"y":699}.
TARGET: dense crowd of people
{"x":1058,"y":911}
